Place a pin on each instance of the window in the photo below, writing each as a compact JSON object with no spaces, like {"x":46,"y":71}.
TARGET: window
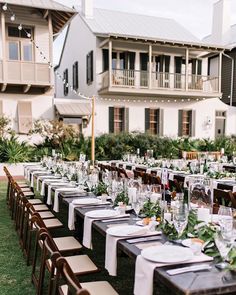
{"x":75,"y":76}
{"x":65,"y":81}
{"x":118,"y":119}
{"x":186,"y":123}
{"x":152,"y":121}
{"x":90,"y":67}
{"x":18,"y":47}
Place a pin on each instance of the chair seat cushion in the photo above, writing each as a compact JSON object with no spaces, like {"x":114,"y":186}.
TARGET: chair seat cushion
{"x":67,"y":244}
{"x":35,"y":201}
{"x":94,"y":288}
{"x":41,"y":207}
{"x":52,"y":223}
{"x":80,"y":264}
{"x":46,"y":214}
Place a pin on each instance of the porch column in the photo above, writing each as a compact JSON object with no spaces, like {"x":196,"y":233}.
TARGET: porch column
{"x":50,"y":29}
{"x":110,"y":62}
{"x":186,"y":68}
{"x":150,"y":67}
{"x":137,"y":73}
{"x":220,"y":68}
{"x":4,"y":66}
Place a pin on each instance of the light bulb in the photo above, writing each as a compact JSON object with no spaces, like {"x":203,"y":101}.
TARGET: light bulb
{"x":4,"y":7}
{"x":28,"y":35}
{"x":20,"y":27}
{"x":13,"y":18}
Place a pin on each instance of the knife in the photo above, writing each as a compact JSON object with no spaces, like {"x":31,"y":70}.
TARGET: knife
{"x":180,"y":270}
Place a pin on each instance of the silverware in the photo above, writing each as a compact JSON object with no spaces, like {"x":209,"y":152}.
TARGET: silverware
{"x":115,"y":220}
{"x":180,"y":270}
{"x":144,"y":239}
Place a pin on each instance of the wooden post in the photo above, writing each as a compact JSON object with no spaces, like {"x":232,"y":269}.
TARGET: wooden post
{"x":93,"y":135}
{"x":186,"y":68}
{"x":110,"y":62}
{"x":150,"y":66}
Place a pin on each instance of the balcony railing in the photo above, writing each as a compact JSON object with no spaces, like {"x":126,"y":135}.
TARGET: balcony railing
{"x":172,"y":81}
{"x":19,"y":72}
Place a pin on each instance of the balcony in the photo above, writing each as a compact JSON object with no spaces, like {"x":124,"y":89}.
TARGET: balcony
{"x":28,"y":74}
{"x":156,"y":83}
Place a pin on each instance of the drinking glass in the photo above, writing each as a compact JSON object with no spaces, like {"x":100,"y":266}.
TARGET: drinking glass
{"x":225,"y":216}
{"x":180,"y":218}
{"x":136,"y":207}
{"x":224,"y":243}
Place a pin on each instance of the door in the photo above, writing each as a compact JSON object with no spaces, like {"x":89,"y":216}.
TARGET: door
{"x":220,"y":123}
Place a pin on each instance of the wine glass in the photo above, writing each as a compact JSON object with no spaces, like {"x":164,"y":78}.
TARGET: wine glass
{"x":225,"y":216}
{"x":224,"y":242}
{"x":180,"y":218}
{"x":136,"y":206}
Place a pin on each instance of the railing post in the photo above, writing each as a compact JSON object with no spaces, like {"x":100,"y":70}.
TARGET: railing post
{"x":150,"y":66}
{"x":110,"y":62}
{"x":220,"y":67}
{"x":186,"y":68}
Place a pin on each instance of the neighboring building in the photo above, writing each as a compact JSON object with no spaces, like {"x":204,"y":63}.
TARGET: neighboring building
{"x":150,"y":75}
{"x":26,"y":80}
{"x":225,"y":34}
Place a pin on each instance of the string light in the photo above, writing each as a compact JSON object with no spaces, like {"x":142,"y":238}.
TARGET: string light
{"x":5,"y":7}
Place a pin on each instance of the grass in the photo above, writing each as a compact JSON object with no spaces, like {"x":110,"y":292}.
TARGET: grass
{"x":15,"y":276}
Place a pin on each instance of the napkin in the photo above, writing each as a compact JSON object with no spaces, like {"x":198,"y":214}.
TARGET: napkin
{"x":49,"y":197}
{"x":48,"y":180}
{"x":87,"y":238}
{"x":41,"y":171}
{"x":56,"y":195}
{"x":42,"y":177}
{"x":111,"y":250}
{"x":144,"y":271}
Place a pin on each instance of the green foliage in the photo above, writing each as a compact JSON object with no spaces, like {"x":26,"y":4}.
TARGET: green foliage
{"x":121,"y":197}
{"x":151,"y":209}
{"x":100,"y":189}
{"x":12,"y":151}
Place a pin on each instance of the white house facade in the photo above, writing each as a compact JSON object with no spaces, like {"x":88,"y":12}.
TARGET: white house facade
{"x":148,"y":74}
{"x":27,"y":30}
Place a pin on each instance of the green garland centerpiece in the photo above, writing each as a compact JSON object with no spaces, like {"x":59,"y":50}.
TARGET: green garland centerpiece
{"x":100,"y":189}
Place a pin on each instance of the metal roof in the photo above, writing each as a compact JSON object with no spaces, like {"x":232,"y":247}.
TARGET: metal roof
{"x":108,"y":22}
{"x":60,"y":14}
{"x":43,"y":4}
{"x":74,"y":109}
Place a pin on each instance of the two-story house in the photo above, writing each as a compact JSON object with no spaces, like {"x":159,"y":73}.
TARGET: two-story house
{"x":149,"y":74}
{"x":27,"y":30}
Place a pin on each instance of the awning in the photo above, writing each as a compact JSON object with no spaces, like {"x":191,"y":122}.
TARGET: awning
{"x":73,"y":110}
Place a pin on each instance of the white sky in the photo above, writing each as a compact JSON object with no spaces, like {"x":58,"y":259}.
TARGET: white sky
{"x":196,"y":15}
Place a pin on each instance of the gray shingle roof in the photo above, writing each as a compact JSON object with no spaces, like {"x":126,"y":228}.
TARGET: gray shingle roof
{"x":107,"y":22}
{"x":43,"y":4}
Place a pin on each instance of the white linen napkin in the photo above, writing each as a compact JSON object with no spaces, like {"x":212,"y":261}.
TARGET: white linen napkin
{"x":48,"y":180}
{"x":144,"y":271}
{"x":36,"y":172}
{"x":42,"y":177}
{"x":111,"y":250}
{"x":56,"y":195}
{"x":87,"y":237}
{"x":71,"y":213}
{"x":49,"y":197}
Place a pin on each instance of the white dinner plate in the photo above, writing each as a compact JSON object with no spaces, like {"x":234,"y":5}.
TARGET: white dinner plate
{"x":127,"y":231}
{"x":167,"y":254}
{"x":86,"y":201}
{"x":106,"y":213}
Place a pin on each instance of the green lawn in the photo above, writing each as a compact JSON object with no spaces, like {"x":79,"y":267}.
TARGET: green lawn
{"x":15,"y":276}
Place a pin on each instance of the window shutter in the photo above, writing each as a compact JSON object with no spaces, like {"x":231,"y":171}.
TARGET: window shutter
{"x":91,"y":61}
{"x":192,"y":122}
{"x":1,"y":109}
{"x":180,"y":129}
{"x":199,"y":67}
{"x":178,"y":64}
{"x":194,"y":61}
{"x":147,"y":119}
{"x":111,"y":119}
{"x":167,"y":63}
{"x":105,"y":60}
{"x":126,"y":120}
{"x":24,"y":116}
{"x":161,"y":122}
{"x":87,"y":68}
{"x":131,"y":60}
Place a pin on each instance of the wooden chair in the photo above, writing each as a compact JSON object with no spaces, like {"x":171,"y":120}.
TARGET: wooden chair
{"x":80,"y":264}
{"x":223,"y":197}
